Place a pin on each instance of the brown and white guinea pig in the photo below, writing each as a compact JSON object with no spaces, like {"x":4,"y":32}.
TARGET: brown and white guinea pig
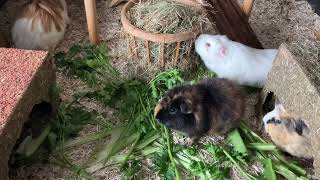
{"x":288,"y":132}
{"x":40,"y":24}
{"x":235,"y":61}
{"x":214,"y":105}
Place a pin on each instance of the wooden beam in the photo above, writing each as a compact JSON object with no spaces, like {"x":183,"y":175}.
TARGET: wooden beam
{"x":91,"y":14}
{"x":230,"y":20}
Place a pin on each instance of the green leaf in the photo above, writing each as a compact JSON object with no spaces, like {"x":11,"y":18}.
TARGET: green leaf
{"x":297,"y":169}
{"x":285,"y":172}
{"x":238,"y":166}
{"x":236,"y":141}
{"x":268,"y":170}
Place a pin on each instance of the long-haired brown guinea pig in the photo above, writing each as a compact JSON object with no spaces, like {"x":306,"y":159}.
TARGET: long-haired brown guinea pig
{"x":40,"y":24}
{"x":214,"y":105}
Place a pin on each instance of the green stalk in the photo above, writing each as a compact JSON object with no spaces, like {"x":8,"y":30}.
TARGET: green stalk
{"x":117,"y":159}
{"x":130,"y":151}
{"x":170,"y":153}
{"x":63,"y":161}
{"x":145,"y":110}
{"x":87,"y":139}
{"x":186,"y":160}
{"x":285,"y":172}
{"x":35,"y":143}
{"x":268,"y":170}
{"x":246,"y":128}
{"x":291,"y":166}
{"x":149,"y":140}
{"x":149,"y":150}
{"x":246,"y":175}
{"x":261,"y":146}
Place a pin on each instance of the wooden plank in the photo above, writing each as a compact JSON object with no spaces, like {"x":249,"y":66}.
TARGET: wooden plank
{"x":230,"y":20}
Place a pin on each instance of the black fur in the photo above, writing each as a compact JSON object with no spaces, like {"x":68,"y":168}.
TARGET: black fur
{"x":300,"y":126}
{"x":273,"y":120}
{"x":292,"y":124}
{"x":213,"y":104}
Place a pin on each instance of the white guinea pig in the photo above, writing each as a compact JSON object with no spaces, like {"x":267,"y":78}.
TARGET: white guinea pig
{"x":40,"y":24}
{"x":235,"y":61}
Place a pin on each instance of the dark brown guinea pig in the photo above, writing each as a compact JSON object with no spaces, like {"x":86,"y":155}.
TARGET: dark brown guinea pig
{"x":213,"y":105}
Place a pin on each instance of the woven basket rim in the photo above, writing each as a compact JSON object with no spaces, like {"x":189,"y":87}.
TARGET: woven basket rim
{"x":158,"y":38}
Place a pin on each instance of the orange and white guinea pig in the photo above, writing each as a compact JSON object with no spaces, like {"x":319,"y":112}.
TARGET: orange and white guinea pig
{"x":288,"y":132}
{"x":40,"y":24}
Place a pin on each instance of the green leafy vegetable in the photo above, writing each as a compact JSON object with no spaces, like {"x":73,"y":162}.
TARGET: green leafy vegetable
{"x":268,"y":170}
{"x":236,"y":141}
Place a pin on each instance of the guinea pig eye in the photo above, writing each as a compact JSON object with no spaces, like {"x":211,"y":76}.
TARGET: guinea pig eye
{"x":208,"y":44}
{"x":172,"y":110}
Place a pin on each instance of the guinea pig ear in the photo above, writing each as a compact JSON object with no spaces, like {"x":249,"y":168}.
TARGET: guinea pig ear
{"x":186,"y":107}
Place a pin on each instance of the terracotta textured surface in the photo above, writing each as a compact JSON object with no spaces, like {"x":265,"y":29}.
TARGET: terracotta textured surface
{"x":25,"y":79}
{"x":290,"y":81}
{"x":17,"y":67}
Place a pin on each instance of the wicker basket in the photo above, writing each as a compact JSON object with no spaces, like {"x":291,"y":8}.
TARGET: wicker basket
{"x":162,"y":39}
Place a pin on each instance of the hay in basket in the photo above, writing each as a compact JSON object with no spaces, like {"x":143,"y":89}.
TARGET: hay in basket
{"x":163,"y":31}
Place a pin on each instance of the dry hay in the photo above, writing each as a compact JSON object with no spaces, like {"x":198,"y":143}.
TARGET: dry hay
{"x":168,"y":17}
{"x":161,"y":16}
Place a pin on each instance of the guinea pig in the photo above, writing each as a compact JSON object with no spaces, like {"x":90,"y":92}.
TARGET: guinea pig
{"x":40,"y":24}
{"x":213,"y":105}
{"x":287,"y":132}
{"x":235,"y":61}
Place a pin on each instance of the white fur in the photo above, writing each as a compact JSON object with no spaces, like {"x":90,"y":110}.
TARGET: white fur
{"x":24,"y":37}
{"x":275,"y":113}
{"x":243,"y":64}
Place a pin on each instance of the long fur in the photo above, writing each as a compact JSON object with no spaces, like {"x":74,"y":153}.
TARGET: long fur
{"x":235,"y":61}
{"x":40,"y":24}
{"x":212,"y":106}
